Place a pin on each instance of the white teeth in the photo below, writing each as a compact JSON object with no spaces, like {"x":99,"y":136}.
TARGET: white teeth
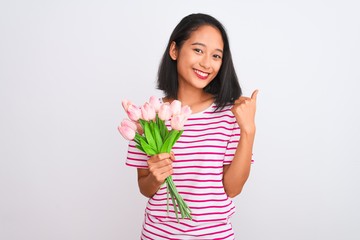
{"x":201,"y":73}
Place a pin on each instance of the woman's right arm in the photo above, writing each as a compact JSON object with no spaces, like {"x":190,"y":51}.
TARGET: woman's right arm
{"x":151,"y":179}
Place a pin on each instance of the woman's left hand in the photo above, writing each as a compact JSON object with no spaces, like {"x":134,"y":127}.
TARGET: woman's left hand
{"x":244,"y":110}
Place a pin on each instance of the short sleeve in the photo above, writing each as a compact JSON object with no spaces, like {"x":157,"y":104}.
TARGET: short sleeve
{"x":232,"y":144}
{"x":135,"y":157}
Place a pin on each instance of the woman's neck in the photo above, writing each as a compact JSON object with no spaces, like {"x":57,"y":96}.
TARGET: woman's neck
{"x":198,"y":102}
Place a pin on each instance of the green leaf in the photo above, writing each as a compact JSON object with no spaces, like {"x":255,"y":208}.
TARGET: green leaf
{"x":142,"y":123}
{"x":162,"y":127}
{"x":137,"y":138}
{"x":149,"y":136}
{"x":177,"y":136}
{"x":157,"y":136}
{"x":168,"y":143}
{"x":147,"y":148}
{"x":157,"y":119}
{"x":140,"y":148}
{"x":152,"y":125}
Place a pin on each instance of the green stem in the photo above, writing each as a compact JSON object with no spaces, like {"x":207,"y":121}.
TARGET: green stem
{"x":176,"y":198}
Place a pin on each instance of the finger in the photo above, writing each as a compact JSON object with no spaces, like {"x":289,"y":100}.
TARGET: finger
{"x":162,"y":173}
{"x":156,"y":159}
{"x":165,"y":174}
{"x":241,"y":99}
{"x":254,"y":94}
{"x":162,"y":170}
{"x":162,"y":156}
{"x":172,"y":156}
{"x":157,"y":166}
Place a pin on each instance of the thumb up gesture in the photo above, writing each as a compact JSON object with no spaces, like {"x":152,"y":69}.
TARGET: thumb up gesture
{"x":244,"y":110}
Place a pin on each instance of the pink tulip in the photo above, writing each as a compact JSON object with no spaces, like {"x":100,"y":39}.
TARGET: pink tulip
{"x":176,"y":107}
{"x":186,"y":110}
{"x":126,"y":103}
{"x":155,"y":102}
{"x":165,"y":111}
{"x":133,"y":112}
{"x":178,"y":121}
{"x":148,"y":112}
{"x":127,"y":132}
{"x":129,"y":123}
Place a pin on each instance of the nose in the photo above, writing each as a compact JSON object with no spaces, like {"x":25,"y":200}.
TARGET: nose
{"x":205,"y":62}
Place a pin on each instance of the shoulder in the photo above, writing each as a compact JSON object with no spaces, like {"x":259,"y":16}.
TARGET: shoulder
{"x":222,"y":114}
{"x":223,"y":110}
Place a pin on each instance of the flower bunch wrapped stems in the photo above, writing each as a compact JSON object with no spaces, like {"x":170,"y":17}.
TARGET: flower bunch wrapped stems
{"x":146,"y":126}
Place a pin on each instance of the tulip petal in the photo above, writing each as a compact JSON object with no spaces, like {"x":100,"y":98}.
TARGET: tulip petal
{"x":126,"y":132}
{"x":129,"y":123}
{"x":134,"y":112}
{"x":175,"y":107}
{"x":155,"y":102}
{"x":165,"y":111}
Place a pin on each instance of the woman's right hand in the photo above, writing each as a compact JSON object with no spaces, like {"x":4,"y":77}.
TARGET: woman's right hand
{"x":151,"y":178}
{"x":160,"y":167}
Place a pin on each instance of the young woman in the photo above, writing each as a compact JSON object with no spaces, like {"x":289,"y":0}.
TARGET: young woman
{"x":210,"y":163}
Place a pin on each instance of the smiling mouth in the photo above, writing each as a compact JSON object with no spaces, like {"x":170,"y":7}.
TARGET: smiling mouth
{"x":200,"y":74}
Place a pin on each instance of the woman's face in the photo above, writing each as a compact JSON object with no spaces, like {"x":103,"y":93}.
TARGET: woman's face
{"x":200,"y":57}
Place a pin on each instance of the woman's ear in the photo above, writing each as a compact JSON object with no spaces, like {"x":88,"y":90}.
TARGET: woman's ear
{"x":173,"y":52}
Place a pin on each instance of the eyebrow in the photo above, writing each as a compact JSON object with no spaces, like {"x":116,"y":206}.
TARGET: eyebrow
{"x":201,"y":44}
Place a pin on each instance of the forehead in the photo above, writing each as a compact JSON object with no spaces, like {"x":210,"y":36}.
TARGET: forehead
{"x":208,"y":35}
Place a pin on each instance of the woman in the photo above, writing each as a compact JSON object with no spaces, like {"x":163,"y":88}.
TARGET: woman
{"x":210,"y":163}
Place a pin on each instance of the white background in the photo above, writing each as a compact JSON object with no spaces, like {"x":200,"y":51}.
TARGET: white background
{"x":65,"y":66}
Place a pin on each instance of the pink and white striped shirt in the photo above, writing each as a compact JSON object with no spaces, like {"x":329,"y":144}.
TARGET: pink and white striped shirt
{"x":208,"y":142}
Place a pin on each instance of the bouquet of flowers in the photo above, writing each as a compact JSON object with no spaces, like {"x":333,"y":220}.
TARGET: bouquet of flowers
{"x":146,"y":126}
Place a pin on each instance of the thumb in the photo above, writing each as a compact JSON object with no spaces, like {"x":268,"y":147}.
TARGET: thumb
{"x":254,"y":94}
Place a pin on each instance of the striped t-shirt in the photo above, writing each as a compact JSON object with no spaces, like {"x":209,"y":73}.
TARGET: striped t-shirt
{"x":208,"y":142}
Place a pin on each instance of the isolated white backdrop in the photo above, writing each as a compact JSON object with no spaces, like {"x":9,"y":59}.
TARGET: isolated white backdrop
{"x":65,"y":66}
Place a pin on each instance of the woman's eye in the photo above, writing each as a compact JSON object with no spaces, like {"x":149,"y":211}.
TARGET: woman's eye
{"x":198,"y":50}
{"x":217,"y":56}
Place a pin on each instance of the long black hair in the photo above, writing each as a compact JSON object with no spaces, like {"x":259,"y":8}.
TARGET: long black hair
{"x":224,"y":87}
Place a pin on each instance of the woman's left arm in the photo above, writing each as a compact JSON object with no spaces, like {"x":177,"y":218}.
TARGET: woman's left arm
{"x":236,"y":173}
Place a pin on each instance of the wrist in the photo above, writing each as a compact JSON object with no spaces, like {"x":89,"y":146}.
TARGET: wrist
{"x":248,"y":131}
